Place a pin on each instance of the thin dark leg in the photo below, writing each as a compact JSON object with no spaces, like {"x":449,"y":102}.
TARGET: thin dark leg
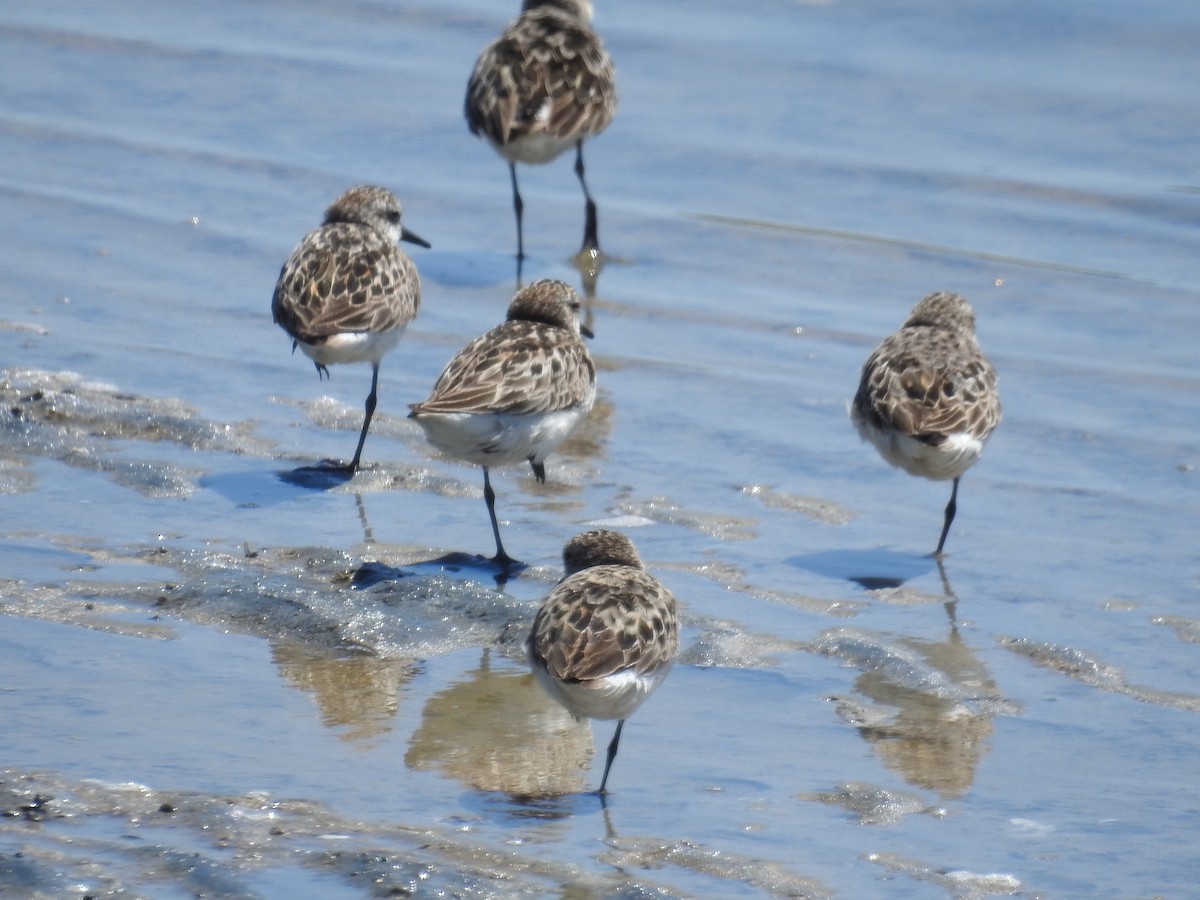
{"x":489,"y":497}
{"x":519,"y":209}
{"x":539,"y":470}
{"x":371,"y":399}
{"x":591,"y":242}
{"x":612,"y":754}
{"x":951,"y":509}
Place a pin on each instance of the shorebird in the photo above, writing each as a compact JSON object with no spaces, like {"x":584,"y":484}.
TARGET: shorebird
{"x":606,"y":635}
{"x":543,"y":86}
{"x":347,"y":292}
{"x":927,"y":399}
{"x":516,"y":392}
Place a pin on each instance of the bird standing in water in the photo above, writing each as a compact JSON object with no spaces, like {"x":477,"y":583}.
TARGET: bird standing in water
{"x":347,"y":291}
{"x":543,"y":86}
{"x":606,"y":636}
{"x":927,"y":399}
{"x":515,"y":393}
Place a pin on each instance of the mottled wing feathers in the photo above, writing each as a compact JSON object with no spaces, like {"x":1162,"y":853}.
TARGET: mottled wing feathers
{"x":546,"y":72}
{"x":518,"y":367}
{"x":604,"y":620}
{"x":929,"y":383}
{"x":345,"y":278}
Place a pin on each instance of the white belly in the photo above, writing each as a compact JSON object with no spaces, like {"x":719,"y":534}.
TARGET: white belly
{"x":612,"y":697}
{"x":944,"y":462}
{"x":499,"y":439}
{"x":535,"y":148}
{"x":354,"y":346}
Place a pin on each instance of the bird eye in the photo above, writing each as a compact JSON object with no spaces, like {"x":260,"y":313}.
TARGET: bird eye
{"x":393,"y":216}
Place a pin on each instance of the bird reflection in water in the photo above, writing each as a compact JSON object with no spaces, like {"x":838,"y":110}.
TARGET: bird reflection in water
{"x":358,"y":693}
{"x":495,"y":730}
{"x":933,"y":742}
{"x":932,"y":702}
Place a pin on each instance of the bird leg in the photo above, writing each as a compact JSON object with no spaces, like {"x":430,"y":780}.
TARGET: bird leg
{"x":519,"y":209}
{"x":591,"y":241}
{"x":539,"y":470}
{"x":612,"y":754}
{"x":951,"y":509}
{"x":489,"y":497}
{"x":370,"y":411}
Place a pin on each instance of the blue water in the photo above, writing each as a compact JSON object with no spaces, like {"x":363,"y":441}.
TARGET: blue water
{"x":781,"y":183}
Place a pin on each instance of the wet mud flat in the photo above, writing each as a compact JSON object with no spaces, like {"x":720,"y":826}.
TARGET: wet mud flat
{"x":348,"y":629}
{"x":95,"y":839}
{"x":239,"y":636}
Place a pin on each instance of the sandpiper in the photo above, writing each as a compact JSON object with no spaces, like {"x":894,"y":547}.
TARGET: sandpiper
{"x":927,"y":399}
{"x":606,"y":635}
{"x":543,"y":86}
{"x":347,"y":292}
{"x":516,"y":392}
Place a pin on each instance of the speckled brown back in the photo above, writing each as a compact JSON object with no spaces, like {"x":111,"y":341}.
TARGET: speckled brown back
{"x":545,"y":54}
{"x":930,"y":379}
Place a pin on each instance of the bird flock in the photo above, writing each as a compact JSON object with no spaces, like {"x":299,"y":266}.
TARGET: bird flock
{"x":608,"y":632}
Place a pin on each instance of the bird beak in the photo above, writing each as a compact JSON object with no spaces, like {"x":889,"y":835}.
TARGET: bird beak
{"x":586,"y":332}
{"x":406,"y":235}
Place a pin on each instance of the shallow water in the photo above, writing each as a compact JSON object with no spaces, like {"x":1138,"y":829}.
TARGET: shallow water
{"x":218,"y":682}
